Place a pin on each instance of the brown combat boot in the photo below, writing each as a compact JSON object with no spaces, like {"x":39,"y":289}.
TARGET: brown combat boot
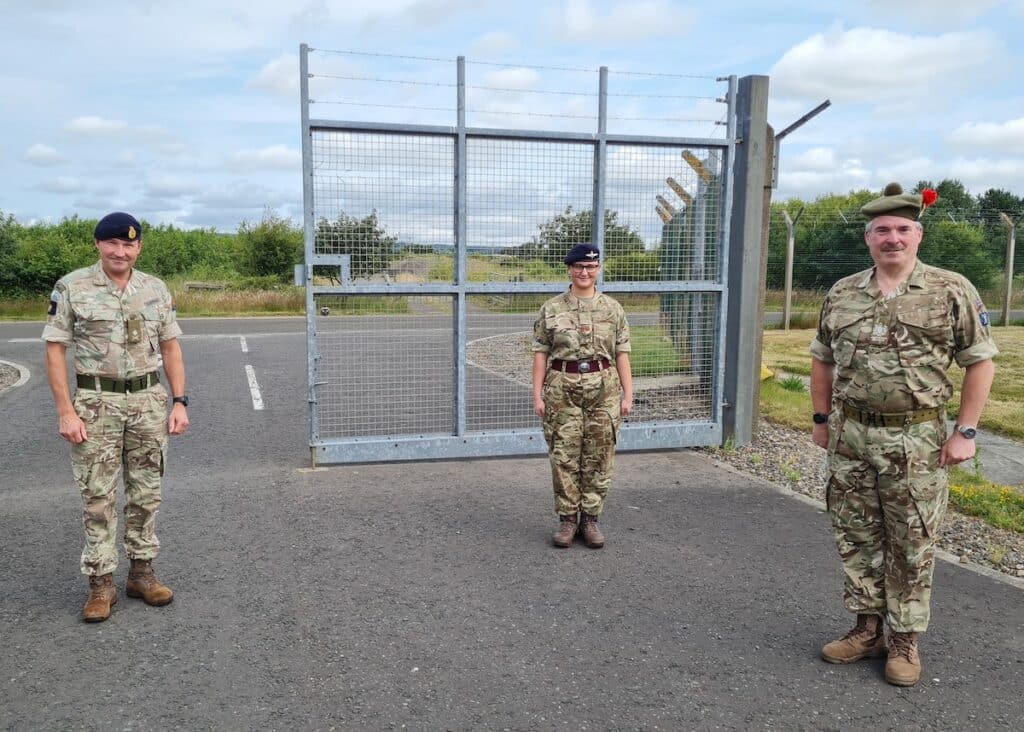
{"x":866,"y":640}
{"x":592,"y":535}
{"x":144,"y":584}
{"x":904,"y":666}
{"x":102,"y":594}
{"x":566,"y":531}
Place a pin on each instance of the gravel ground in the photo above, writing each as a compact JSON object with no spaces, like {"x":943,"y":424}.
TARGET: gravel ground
{"x":787,"y":457}
{"x":780,"y":455}
{"x":8,"y":375}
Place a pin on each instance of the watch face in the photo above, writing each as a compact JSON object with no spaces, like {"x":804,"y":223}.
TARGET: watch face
{"x":969,"y":432}
{"x":820,"y":418}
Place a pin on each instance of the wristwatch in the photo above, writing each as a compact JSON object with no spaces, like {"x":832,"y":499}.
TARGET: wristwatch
{"x":182,"y":400}
{"x":820,"y":418}
{"x":968,"y":433}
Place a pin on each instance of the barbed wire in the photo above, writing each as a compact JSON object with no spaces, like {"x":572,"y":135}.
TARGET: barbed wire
{"x":346,"y":52}
{"x":450,"y":110}
{"x":541,"y":67}
{"x":564,"y":115}
{"x":382,"y":80}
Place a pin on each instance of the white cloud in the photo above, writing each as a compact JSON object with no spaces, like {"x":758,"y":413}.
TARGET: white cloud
{"x":169,"y":185}
{"x":280,"y":76}
{"x":946,"y":12}
{"x":817,"y":159}
{"x":1006,"y":136}
{"x":624,"y":22}
{"x":980,"y":174}
{"x":274,"y":157}
{"x":512,"y":79}
{"x":43,"y":155}
{"x":493,"y":44}
{"x":868,"y":64}
{"x":61,"y":185}
{"x":92,"y":126}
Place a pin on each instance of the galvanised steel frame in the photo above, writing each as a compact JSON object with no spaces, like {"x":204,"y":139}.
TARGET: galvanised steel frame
{"x":462,"y":443}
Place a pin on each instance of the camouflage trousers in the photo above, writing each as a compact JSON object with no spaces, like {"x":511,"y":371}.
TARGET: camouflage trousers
{"x":581,"y":426}
{"x":887,"y":497}
{"x":126,"y":432}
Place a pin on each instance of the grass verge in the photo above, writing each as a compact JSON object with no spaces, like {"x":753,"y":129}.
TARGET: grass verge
{"x":998,"y":505}
{"x":1004,"y":411}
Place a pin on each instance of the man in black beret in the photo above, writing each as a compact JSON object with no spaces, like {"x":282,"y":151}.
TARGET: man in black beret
{"x":121,"y":323}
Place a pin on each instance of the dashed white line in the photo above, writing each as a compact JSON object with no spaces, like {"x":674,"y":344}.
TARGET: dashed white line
{"x":244,"y":343}
{"x":254,"y":387}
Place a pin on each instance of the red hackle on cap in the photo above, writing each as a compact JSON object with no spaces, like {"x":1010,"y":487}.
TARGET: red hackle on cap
{"x":928,"y":197}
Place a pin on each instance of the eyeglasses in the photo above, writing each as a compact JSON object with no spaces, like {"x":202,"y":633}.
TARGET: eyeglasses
{"x":580,"y":268}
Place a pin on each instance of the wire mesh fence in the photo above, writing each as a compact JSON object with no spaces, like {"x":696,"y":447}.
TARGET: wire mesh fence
{"x":432,"y":250}
{"x":385,"y":365}
{"x":829,"y":245}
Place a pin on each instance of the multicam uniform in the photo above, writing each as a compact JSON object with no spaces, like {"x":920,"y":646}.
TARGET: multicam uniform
{"x":116,"y":335}
{"x":886,"y":492}
{"x":581,"y":410}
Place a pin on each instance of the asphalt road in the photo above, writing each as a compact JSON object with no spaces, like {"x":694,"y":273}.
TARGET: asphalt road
{"x":426,"y":596}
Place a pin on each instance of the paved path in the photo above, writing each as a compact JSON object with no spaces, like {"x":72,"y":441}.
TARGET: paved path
{"x":427,"y":596}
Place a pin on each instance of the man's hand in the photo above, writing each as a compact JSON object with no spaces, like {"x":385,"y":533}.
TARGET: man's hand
{"x":72,"y":429}
{"x":177,"y":423}
{"x":626,"y":406}
{"x":820,"y":435}
{"x":956,"y":450}
{"x":538,"y":406}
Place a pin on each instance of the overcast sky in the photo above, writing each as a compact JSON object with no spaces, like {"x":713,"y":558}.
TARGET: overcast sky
{"x":187,"y":112}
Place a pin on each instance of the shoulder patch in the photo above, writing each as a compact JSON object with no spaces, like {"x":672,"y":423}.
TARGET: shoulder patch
{"x":54,"y":302}
{"x":983,"y":317}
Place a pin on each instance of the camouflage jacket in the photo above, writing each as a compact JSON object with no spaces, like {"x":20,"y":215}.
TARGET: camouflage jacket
{"x":891,"y":353}
{"x":572,"y":329}
{"x":115,"y":333}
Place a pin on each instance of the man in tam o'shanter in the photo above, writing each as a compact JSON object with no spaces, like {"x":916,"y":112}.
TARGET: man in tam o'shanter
{"x":885,"y":339}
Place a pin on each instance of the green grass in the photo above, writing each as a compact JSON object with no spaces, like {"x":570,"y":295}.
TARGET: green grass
{"x":998,"y":505}
{"x":24,"y":308}
{"x":1004,"y":411}
{"x":969,"y":492}
{"x":793,"y":383}
{"x":653,"y":353}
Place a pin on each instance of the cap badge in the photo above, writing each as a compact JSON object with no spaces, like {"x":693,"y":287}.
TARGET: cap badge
{"x":591,"y":255}
{"x":131,"y":232}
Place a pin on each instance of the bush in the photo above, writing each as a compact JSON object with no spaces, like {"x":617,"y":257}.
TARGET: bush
{"x":270,"y":248}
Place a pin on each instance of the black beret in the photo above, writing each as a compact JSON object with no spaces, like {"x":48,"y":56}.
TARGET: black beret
{"x":118,"y":225}
{"x":583,"y":253}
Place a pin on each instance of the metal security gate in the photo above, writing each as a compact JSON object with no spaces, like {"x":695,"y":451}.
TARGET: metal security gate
{"x":429,"y":250}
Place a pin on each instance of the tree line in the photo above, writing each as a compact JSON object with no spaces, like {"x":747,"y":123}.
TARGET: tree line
{"x":963,"y":233}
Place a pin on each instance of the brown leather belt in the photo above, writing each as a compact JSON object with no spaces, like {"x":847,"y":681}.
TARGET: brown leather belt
{"x":579,"y":367}
{"x":121,"y":386}
{"x":890,"y":419}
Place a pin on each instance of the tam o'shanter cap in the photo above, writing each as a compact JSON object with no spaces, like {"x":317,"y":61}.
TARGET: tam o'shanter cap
{"x":118,"y":225}
{"x":894,"y":202}
{"x":583,"y":253}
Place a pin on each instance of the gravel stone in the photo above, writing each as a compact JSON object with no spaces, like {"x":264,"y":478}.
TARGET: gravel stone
{"x":8,"y":375}
{"x":789,"y":458}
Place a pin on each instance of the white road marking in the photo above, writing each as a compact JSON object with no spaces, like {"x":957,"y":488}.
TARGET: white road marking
{"x":254,"y":388}
{"x":245,"y":344}
{"x":24,"y":340}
